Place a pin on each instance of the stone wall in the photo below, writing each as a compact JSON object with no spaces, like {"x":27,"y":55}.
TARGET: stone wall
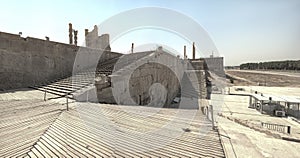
{"x":195,"y":64}
{"x":145,"y":78}
{"x":154,"y":80}
{"x":215,"y":64}
{"x":30,"y":61}
{"x":153,"y":84}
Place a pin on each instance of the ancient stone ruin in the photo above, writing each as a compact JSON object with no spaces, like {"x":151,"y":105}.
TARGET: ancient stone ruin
{"x":117,"y":78}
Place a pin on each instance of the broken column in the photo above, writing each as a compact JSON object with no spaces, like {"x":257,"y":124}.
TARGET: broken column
{"x":91,"y":38}
{"x":194,"y":51}
{"x":87,"y":39}
{"x":102,"y":42}
{"x":95,"y":30}
{"x":75,"y":37}
{"x":70,"y":34}
{"x":86,"y":32}
{"x":132,"y":46}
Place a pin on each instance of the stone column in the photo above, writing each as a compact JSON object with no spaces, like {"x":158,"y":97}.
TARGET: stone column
{"x":70,"y":34}
{"x":194,"y":51}
{"x":132,"y":46}
{"x":75,"y":37}
{"x":86,"y":32}
{"x":184,"y":52}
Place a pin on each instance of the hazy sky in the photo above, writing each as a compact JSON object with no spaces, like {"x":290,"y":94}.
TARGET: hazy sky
{"x":242,"y":30}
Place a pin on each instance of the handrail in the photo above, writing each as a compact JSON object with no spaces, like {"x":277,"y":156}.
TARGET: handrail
{"x":209,"y":112}
{"x":226,"y":136}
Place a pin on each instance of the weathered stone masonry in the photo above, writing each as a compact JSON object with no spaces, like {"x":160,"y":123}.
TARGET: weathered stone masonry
{"x":30,"y":61}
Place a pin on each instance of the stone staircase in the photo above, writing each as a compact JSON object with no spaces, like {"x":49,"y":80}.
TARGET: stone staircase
{"x":67,"y":86}
{"x":127,"y":60}
{"x":77,"y":83}
{"x":193,"y":81}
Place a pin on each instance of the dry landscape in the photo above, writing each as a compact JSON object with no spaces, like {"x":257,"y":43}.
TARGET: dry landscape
{"x":265,"y":78}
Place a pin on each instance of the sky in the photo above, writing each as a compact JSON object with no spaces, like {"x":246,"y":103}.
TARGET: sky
{"x":242,"y":30}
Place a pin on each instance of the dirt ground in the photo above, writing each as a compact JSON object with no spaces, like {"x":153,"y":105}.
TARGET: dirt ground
{"x":263,"y":78}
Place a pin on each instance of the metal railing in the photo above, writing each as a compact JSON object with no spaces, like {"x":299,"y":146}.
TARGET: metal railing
{"x":226,"y":151}
{"x":66,"y":95}
{"x":209,"y":112}
{"x":277,"y":127}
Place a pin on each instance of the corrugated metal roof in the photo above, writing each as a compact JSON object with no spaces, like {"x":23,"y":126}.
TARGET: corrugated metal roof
{"x":260,"y":97}
{"x":275,"y":98}
{"x":98,"y":130}
{"x":22,"y":123}
{"x":291,"y":99}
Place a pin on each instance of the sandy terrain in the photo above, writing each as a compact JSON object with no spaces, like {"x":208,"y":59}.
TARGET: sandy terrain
{"x":240,"y":130}
{"x":266,"y":78}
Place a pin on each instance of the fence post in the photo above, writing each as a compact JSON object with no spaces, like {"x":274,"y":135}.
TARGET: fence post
{"x":261,"y":108}
{"x":206,"y":111}
{"x":212,"y":116}
{"x":250,"y":101}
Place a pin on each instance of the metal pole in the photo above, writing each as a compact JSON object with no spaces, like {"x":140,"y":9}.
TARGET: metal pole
{"x":289,"y":129}
{"x":250,"y":101}
{"x":212,"y":116}
{"x":261,"y":106}
{"x":206,"y":111}
{"x":67,"y":103}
